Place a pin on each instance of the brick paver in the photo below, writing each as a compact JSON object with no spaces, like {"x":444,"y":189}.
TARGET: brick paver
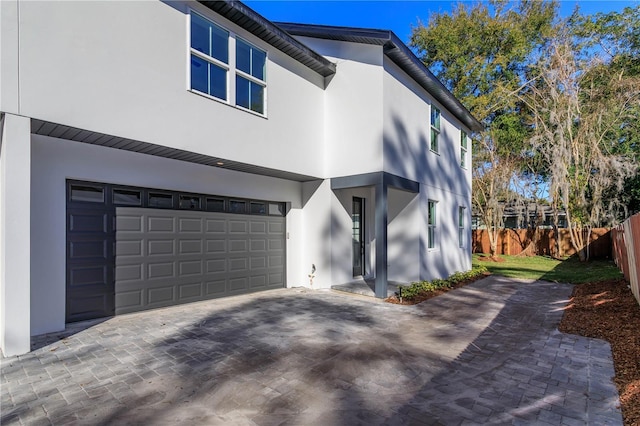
{"x":488,"y":353}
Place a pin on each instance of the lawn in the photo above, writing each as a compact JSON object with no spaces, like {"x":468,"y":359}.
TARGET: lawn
{"x":545,"y":268}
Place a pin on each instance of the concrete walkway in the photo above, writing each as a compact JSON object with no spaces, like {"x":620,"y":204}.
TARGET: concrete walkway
{"x":488,"y":353}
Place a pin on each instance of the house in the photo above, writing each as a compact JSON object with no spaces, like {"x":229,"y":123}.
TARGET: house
{"x":523,"y":215}
{"x":157,"y":153}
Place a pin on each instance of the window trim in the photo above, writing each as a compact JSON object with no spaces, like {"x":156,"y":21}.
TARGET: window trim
{"x":230,"y":68}
{"x":432,"y":240}
{"x":433,"y":142}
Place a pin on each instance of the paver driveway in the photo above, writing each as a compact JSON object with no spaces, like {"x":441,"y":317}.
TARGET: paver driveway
{"x":487,"y":353}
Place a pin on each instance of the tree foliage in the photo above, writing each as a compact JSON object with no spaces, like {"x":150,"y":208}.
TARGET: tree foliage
{"x":559,"y":99}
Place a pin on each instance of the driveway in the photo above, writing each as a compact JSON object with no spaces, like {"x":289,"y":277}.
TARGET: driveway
{"x":487,"y":353}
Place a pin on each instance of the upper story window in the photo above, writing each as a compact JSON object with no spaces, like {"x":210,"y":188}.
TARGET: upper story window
{"x":435,"y":128}
{"x":464,"y":140}
{"x":213,"y":68}
{"x":209,"y":57}
{"x":250,"y":76}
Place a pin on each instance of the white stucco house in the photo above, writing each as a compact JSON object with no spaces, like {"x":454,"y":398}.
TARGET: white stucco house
{"x":157,"y":153}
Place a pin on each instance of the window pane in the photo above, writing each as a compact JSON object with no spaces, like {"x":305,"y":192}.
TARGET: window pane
{"x":242,"y":92}
{"x":200,"y":34}
{"x":237,"y":206}
{"x":259,"y":59}
{"x":127,"y":197}
{"x":435,"y":117}
{"x":88,"y":194}
{"x":258,"y":208}
{"x":431,"y":237}
{"x":189,"y":202}
{"x":220,"y":44}
{"x":215,"y":204}
{"x":160,"y":200}
{"x":434,"y":140}
{"x":217,"y":82}
{"x":276,"y":209}
{"x":463,"y":140}
{"x":257,"y":98}
{"x":199,"y":74}
{"x":243,"y":56}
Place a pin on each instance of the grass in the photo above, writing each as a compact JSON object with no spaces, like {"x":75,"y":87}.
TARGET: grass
{"x":545,"y":268}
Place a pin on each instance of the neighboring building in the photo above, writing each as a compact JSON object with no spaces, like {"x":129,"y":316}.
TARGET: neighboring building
{"x":523,"y":216}
{"x":157,"y":153}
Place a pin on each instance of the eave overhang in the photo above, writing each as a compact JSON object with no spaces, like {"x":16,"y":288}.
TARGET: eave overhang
{"x":399,"y":53}
{"x":246,"y":18}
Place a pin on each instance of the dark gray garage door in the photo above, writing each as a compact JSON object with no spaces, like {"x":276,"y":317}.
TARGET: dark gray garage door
{"x":167,"y":257}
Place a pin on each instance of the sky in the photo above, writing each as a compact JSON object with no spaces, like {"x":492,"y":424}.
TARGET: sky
{"x":398,"y":16}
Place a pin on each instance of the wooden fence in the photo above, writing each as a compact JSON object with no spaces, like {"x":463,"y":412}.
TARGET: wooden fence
{"x":515,"y":241}
{"x":626,"y":251}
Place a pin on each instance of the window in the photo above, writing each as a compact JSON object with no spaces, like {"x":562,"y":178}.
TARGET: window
{"x":191,"y":202}
{"x":209,"y":57}
{"x":463,"y":149}
{"x":250,"y":76}
{"x":435,"y":128}
{"x":236,"y":206}
{"x":160,"y":200}
{"x":127,"y":197}
{"x":258,"y":208}
{"x":89,"y":194}
{"x":431,"y":222}
{"x":211,"y":64}
{"x":461,"y":214}
{"x":215,"y":204}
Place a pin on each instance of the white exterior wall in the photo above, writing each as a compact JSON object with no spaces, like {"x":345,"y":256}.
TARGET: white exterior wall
{"x":121,"y":68}
{"x":15,"y":214}
{"x":407,"y":154}
{"x":352,"y":104}
{"x":55,"y":160}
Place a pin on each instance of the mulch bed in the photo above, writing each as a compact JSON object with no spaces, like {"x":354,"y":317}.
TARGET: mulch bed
{"x":607,"y":310}
{"x":431,"y":294}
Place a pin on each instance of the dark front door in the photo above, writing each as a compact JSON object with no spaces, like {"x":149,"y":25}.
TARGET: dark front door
{"x":357,"y":219}
{"x":90,"y":252}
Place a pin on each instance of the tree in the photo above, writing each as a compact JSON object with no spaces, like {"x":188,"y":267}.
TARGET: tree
{"x":480,"y":52}
{"x":578,"y":105}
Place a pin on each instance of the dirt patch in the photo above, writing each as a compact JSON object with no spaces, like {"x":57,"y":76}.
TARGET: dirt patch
{"x":431,"y":294}
{"x":607,"y":310}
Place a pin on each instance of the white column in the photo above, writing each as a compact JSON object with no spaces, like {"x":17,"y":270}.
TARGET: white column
{"x":15,"y":235}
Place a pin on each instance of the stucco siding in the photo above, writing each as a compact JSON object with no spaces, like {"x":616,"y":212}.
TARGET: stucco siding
{"x":121,"y":68}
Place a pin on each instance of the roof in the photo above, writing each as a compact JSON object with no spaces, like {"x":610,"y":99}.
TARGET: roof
{"x":246,"y":18}
{"x":399,"y":53}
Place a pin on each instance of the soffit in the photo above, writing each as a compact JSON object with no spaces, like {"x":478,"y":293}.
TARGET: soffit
{"x":46,"y":128}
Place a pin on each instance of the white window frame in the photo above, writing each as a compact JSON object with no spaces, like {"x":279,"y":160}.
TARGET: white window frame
{"x":464,"y":140}
{"x":462,"y":214}
{"x":230,"y":68}
{"x":432,"y":225}
{"x":434,"y":134}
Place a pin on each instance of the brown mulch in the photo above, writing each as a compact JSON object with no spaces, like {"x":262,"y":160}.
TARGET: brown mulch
{"x":607,"y":310}
{"x":497,"y":259}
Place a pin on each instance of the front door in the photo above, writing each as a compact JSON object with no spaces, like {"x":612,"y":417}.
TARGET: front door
{"x":357,"y":219}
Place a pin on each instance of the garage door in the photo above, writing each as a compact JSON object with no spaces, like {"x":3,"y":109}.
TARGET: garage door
{"x":168,"y":257}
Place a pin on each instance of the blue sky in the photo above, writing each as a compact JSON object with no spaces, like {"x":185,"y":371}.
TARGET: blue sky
{"x":398,"y":16}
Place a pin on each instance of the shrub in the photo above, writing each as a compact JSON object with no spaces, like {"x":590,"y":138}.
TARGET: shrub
{"x":411,"y":291}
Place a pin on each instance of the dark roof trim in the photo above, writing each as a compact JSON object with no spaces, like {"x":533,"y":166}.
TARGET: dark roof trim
{"x":373,"y":179}
{"x":47,"y":128}
{"x":245,"y":17}
{"x":399,"y":53}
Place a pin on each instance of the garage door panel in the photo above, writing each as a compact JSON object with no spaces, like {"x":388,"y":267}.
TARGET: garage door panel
{"x":88,"y":221}
{"x":90,"y":248}
{"x":128,"y":224}
{"x":189,"y":225}
{"x":216,"y":246}
{"x":129,"y":272}
{"x":188,"y":256}
{"x":129,"y":248}
{"x":190,"y":267}
{"x":160,"y":224}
